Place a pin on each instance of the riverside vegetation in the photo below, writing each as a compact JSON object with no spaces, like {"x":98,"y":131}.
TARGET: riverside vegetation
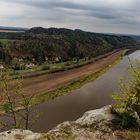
{"x":127,"y":109}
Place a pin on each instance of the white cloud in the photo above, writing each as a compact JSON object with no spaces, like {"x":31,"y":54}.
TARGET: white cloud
{"x":92,"y":15}
{"x":8,"y":10}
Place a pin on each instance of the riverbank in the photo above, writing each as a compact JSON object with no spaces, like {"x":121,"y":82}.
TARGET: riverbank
{"x":50,"y":95}
{"x":84,"y":79}
{"x":65,"y":82}
{"x":56,"y":67}
{"x":48,"y":87}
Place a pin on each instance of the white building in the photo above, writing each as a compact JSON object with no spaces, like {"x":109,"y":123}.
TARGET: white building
{"x":29,"y":66}
{"x":1,"y":66}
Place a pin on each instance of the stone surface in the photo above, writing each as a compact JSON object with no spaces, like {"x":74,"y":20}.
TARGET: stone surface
{"x":16,"y":134}
{"x":93,"y":125}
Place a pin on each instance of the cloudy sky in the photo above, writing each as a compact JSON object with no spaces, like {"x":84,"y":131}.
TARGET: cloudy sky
{"x":116,"y":16}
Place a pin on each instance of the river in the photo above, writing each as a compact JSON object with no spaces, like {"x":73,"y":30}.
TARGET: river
{"x":91,"y":96}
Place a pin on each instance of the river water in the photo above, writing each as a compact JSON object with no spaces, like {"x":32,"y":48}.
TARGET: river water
{"x":91,"y":96}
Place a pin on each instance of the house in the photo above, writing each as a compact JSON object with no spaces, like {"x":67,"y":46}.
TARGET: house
{"x":29,"y":66}
{"x":1,"y":66}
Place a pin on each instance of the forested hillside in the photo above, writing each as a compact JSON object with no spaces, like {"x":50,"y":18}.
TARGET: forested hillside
{"x":39,"y":44}
{"x":136,"y":37}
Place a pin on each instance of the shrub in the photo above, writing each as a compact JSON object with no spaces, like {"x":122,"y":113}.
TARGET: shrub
{"x":45,"y":67}
{"x":11,"y":100}
{"x":127,"y":108}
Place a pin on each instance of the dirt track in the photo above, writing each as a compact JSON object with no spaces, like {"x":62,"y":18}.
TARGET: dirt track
{"x":52,"y":81}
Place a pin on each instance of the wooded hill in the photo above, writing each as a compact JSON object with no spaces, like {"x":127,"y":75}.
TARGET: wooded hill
{"x":58,"y":44}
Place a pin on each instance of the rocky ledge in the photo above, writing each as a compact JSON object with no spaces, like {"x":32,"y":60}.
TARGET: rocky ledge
{"x":93,"y":125}
{"x":17,"y":134}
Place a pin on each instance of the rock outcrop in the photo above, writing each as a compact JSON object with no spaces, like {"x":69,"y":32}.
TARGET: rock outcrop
{"x":17,"y":134}
{"x":93,"y":125}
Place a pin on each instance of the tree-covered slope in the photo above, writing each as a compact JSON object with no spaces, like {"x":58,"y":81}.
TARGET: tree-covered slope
{"x":39,"y":44}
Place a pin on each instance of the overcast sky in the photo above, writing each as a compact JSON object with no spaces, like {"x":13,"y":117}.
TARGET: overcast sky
{"x":115,"y":16}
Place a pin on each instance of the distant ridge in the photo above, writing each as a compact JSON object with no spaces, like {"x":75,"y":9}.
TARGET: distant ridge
{"x":65,"y":31}
{"x":50,"y":31}
{"x":13,"y":28}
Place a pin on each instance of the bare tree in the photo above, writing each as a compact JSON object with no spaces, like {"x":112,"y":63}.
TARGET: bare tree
{"x":14,"y":103}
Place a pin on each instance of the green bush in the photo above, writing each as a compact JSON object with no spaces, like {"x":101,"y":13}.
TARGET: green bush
{"x":45,"y":67}
{"x":127,"y":108}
